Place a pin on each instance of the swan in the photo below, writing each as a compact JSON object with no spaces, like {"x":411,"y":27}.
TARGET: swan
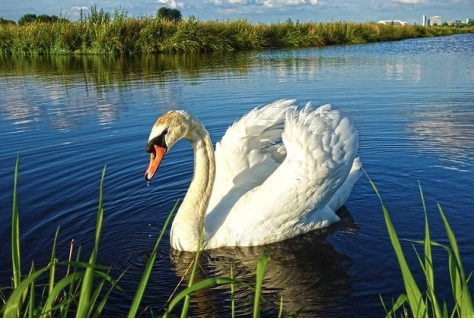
{"x":277,"y":173}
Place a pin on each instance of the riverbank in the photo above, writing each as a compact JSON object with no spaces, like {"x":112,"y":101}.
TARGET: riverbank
{"x":146,"y":35}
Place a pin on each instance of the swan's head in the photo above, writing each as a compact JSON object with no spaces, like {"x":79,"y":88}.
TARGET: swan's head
{"x":168,"y":129}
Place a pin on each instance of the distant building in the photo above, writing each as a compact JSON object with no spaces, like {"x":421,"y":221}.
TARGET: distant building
{"x":424,"y":21}
{"x":393,"y":22}
{"x":435,"y":20}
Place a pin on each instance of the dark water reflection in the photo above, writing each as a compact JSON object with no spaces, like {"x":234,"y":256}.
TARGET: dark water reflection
{"x":306,"y":273}
{"x":109,"y":73}
{"x":68,"y":116}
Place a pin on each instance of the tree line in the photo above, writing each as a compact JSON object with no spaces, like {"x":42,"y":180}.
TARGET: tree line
{"x":94,"y":16}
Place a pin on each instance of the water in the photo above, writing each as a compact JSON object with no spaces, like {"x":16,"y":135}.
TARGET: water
{"x":67,"y":117}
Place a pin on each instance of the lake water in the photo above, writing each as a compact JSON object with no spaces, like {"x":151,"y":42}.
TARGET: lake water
{"x":67,"y":117}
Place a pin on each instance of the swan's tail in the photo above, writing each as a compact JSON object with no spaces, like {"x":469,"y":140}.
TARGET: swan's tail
{"x":342,"y":194}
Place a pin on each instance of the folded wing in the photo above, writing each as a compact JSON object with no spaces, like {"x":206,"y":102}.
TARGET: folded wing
{"x":277,"y":170}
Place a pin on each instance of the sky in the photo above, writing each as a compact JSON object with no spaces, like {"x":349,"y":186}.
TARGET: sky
{"x":266,"y":11}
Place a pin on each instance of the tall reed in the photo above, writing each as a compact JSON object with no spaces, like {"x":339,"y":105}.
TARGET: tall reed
{"x":82,"y":292}
{"x":424,"y":304}
{"x":61,"y":294}
{"x":119,"y":34}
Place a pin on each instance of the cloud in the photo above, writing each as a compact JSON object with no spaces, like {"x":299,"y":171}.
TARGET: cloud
{"x":263,"y":3}
{"x":173,"y":4}
{"x":288,"y":3}
{"x":409,"y":1}
{"x":236,"y":1}
{"x":75,"y":12}
{"x":78,"y":9}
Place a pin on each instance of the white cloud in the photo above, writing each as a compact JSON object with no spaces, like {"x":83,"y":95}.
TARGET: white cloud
{"x":282,"y":3}
{"x":238,"y":2}
{"x":213,"y":2}
{"x":263,"y":3}
{"x":173,"y":4}
{"x":78,"y":9}
{"x":409,"y":1}
{"x":74,"y":12}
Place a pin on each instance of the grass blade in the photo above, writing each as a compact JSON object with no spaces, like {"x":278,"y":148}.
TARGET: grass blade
{"x":62,"y":284}
{"x":31,"y":302}
{"x":52,"y":270}
{"x":84,"y":307}
{"x":101,"y":305}
{"x":52,"y":263}
{"x":414,"y":296}
{"x":428,"y":263}
{"x":16,"y":260}
{"x":187,"y":300}
{"x":13,"y":306}
{"x":401,"y":300}
{"x":206,"y":283}
{"x":261,"y":268}
{"x":280,"y":310}
{"x":462,"y":295}
{"x":149,"y":266}
{"x":232,"y":291}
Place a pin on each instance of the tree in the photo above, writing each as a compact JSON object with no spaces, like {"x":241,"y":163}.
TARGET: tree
{"x":27,"y":18}
{"x":44,"y":18}
{"x":173,"y":15}
{"x":5,"y":21}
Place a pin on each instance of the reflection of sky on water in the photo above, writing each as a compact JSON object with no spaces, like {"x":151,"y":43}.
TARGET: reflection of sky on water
{"x":447,"y":131}
{"x":404,"y":71}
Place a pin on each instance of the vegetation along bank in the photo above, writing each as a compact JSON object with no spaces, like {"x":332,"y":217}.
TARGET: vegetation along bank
{"x":100,"y":32}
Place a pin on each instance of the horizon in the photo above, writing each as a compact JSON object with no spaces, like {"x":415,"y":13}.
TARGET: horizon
{"x":258,"y":11}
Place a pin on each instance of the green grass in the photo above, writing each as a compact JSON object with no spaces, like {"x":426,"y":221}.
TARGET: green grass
{"x":120,"y":34}
{"x":55,"y":291}
{"x":417,"y":303}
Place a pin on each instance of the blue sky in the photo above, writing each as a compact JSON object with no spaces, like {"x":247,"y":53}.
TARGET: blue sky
{"x":257,"y":10}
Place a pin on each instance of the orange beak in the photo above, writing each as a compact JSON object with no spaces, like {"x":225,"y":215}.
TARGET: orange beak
{"x":155,"y":161}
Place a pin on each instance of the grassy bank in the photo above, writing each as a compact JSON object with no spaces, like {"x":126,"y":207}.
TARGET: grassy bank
{"x":123,"y":35}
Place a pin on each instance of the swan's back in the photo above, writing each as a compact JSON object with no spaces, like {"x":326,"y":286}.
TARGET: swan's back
{"x":250,"y":150}
{"x":280,"y":173}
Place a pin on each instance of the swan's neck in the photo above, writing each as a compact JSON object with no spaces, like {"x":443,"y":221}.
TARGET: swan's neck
{"x":188,"y":222}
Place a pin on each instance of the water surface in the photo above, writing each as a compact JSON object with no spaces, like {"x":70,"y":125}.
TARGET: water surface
{"x":412,"y":102}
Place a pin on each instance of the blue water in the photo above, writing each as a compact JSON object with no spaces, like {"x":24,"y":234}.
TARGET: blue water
{"x":67,"y":118}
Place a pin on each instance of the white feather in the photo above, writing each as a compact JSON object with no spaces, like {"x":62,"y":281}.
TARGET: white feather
{"x":279,"y":172}
{"x":266,"y":201}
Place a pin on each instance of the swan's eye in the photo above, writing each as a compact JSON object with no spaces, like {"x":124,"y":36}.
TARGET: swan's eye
{"x":159,"y":141}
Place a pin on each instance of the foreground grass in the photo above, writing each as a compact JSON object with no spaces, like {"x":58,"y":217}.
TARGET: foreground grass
{"x":84,"y":291}
{"x":123,"y":35}
{"x":414,"y":302}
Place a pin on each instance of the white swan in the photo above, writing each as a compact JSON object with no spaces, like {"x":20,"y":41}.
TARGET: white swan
{"x":277,"y":173}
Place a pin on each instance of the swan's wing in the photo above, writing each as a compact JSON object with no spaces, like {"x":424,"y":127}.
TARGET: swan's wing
{"x":321,"y":146}
{"x":250,"y":151}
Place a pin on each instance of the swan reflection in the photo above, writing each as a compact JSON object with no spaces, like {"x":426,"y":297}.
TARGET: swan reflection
{"x":308,"y":273}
